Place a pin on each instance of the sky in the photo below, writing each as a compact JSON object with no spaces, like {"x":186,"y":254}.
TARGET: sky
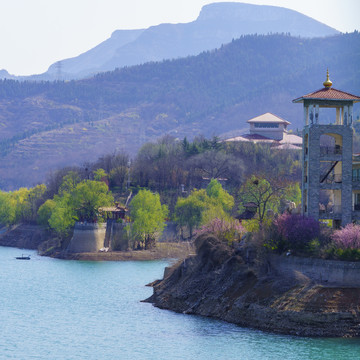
{"x":36,"y":33}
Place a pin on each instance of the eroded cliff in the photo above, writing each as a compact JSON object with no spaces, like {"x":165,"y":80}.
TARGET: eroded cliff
{"x":219,"y":282}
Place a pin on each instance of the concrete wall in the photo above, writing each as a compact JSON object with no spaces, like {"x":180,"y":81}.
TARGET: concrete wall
{"x":170,"y":232}
{"x":117,"y":237}
{"x":87,"y":238}
{"x":342,"y":273}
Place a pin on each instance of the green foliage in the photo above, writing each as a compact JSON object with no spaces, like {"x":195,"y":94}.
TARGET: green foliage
{"x":293,"y":193}
{"x":202,"y":206}
{"x":21,"y":205}
{"x":76,"y":201}
{"x":7,"y":209}
{"x":69,"y":182}
{"x":344,"y":254}
{"x":189,"y":211}
{"x":63,"y":215}
{"x":148,"y":216}
{"x":88,"y":197}
{"x":45,"y":212}
{"x":265,"y":195}
{"x":100,"y":174}
{"x":215,"y":191}
{"x":118,"y":176}
{"x":253,"y":225}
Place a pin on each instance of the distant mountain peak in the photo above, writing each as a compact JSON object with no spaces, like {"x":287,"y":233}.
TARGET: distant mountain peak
{"x":217,"y":24}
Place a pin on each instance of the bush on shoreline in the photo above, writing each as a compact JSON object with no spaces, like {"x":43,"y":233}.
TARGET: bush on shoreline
{"x":304,"y":236}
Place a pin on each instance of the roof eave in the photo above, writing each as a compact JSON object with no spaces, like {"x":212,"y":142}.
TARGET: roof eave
{"x":298,"y":100}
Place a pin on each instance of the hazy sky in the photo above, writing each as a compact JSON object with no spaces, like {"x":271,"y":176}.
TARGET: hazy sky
{"x":36,"y":33}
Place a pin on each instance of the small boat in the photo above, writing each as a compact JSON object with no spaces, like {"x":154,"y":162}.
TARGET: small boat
{"x":23,"y":257}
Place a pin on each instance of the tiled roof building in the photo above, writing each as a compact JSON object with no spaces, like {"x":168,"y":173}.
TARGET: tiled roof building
{"x":272,"y":129}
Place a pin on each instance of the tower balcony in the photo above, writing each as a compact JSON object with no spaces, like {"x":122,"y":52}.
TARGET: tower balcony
{"x":330,"y":212}
{"x":331,"y":179}
{"x":330,"y":150}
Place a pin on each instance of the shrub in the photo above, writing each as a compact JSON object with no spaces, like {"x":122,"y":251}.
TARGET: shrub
{"x":345,"y":254}
{"x":347,"y":237}
{"x":225,"y":230}
{"x":297,"y":231}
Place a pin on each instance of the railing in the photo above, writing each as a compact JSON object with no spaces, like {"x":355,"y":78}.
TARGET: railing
{"x":330,"y":150}
{"x":330,"y":210}
{"x":356,"y":177}
{"x":331,"y":179}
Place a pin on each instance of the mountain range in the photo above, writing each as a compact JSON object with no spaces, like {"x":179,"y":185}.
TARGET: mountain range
{"x":46,"y":125}
{"x":217,"y":24}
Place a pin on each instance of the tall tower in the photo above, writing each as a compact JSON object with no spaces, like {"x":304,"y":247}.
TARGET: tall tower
{"x":327,"y":184}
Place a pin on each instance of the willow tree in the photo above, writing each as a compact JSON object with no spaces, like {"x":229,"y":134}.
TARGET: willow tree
{"x":202,"y":206}
{"x":148,"y":216}
{"x":76,"y":202}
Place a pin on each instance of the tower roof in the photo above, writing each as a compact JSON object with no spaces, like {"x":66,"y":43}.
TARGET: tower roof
{"x":268,"y":118}
{"x":328,"y":93}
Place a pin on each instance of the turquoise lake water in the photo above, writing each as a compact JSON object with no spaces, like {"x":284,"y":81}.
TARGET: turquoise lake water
{"x":56,"y":309}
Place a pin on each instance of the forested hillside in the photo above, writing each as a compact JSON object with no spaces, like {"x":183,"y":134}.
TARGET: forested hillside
{"x":47,"y":125}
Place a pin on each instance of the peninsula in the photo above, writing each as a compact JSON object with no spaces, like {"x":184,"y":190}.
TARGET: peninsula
{"x":224,"y":283}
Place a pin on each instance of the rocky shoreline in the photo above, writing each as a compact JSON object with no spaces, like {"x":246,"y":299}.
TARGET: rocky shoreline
{"x":220,"y":283}
{"x":34,"y":237}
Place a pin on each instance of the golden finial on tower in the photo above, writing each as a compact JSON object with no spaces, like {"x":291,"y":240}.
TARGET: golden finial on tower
{"x":328,"y":82}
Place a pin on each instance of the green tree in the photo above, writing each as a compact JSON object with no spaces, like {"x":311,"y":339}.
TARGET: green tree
{"x":216,"y":192}
{"x":148,"y":217}
{"x":88,"y":197}
{"x":22,"y":210}
{"x":82,"y":203}
{"x":100,"y":174}
{"x":265,"y":195}
{"x":69,"y":182}
{"x":45,"y":212}
{"x":202,"y":206}
{"x":7,"y":209}
{"x":63,"y":215}
{"x":21,"y":205}
{"x":188,"y":211}
{"x":35,"y":198}
{"x":118,"y":176}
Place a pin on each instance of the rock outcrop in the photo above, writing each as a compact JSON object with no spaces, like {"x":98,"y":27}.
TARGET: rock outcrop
{"x":219,"y":282}
{"x":24,"y":236}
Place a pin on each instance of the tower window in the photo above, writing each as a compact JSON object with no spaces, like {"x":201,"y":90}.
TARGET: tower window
{"x":266,"y":125}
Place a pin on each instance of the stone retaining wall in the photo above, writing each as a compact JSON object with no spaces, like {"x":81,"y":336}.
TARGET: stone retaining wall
{"x":87,"y":237}
{"x":343,"y":273}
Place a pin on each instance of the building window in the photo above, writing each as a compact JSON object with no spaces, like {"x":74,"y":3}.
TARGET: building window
{"x":357,"y":202}
{"x":266,"y":125}
{"x":356,"y":174}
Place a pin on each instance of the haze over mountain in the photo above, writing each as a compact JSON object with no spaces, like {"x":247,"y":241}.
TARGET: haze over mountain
{"x":47,"y":125}
{"x":217,"y":24}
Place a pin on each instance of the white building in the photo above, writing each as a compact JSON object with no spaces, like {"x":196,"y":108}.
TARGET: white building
{"x":269,"y":128}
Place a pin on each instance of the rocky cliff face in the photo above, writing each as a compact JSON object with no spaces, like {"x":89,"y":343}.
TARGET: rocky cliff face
{"x":219,"y":283}
{"x":23,"y":236}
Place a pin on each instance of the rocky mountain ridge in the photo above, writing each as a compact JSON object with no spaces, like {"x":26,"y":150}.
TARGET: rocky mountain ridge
{"x":217,"y":24}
